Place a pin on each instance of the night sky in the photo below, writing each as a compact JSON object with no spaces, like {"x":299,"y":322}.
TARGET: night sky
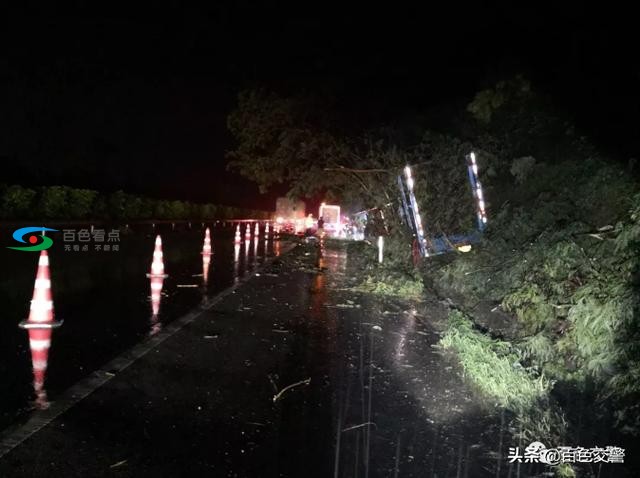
{"x":137,"y":99}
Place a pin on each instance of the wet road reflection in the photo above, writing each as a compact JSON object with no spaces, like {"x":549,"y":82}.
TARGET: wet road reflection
{"x":294,"y":375}
{"x":110,"y":301}
{"x":206,"y":265}
{"x":399,"y":408}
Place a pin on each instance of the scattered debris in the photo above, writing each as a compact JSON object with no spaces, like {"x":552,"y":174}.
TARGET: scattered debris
{"x":211,"y":336}
{"x":120,"y":463}
{"x":376,"y":327}
{"x":341,"y":306}
{"x":354,"y":427}
{"x":277,"y":396}
{"x":187,"y":285}
{"x":281,"y":331}
{"x":273,"y":384}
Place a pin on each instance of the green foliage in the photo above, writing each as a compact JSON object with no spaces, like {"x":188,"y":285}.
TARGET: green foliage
{"x":493,"y":367}
{"x":572,"y":288}
{"x":80,"y":202}
{"x":116,"y":204}
{"x":441,"y":183}
{"x":393,"y":285}
{"x":396,"y":276}
{"x":537,"y":348}
{"x":283,"y":140}
{"x":521,"y":168}
{"x":53,"y":202}
{"x":177,"y":209}
{"x":17,"y":202}
{"x":487,"y":102}
{"x":62,"y":202}
{"x":565,"y":470}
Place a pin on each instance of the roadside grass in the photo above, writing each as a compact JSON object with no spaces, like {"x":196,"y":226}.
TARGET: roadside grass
{"x":394,"y":277}
{"x":406,"y":287}
{"x":492,"y":366}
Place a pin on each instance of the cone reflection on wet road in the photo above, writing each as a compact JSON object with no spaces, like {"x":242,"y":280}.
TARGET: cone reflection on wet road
{"x":236,"y":263}
{"x":247,"y":233}
{"x":237,"y":239}
{"x":256,"y":231}
{"x":246,"y":255}
{"x":206,"y":263}
{"x":156,"y":298}
{"x":256,"y":239}
{"x":266,"y":231}
{"x":40,"y":324}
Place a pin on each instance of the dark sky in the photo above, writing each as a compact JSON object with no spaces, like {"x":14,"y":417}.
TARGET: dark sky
{"x":137,"y":99}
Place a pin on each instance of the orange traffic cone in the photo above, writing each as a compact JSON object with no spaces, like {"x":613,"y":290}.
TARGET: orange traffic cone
{"x":206,"y":248}
{"x":256,"y":231}
{"x":206,"y":262}
{"x":40,"y":324}
{"x":157,"y":266}
{"x":237,"y":239}
{"x":247,"y":233}
{"x":266,"y":231}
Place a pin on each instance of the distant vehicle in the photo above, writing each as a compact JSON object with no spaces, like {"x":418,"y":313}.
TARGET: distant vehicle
{"x":330,"y":214}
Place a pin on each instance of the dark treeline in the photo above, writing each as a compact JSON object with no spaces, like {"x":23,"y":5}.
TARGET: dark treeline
{"x":63,"y":202}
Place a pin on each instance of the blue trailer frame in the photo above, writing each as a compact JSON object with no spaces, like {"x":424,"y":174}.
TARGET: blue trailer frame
{"x":426,"y":245}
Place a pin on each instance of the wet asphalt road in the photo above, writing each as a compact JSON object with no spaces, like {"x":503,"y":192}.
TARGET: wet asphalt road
{"x":104,"y":299}
{"x":369,"y":396}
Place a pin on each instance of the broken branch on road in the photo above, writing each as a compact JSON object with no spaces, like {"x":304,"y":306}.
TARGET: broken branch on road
{"x":354,"y":427}
{"x":277,"y":396}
